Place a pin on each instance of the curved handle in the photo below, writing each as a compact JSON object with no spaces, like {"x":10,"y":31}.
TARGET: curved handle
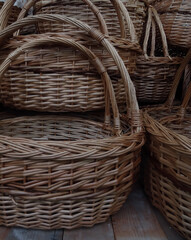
{"x":153,"y":16}
{"x":95,"y":10}
{"x":85,"y":51}
{"x":187,"y":97}
{"x":123,"y":16}
{"x":5,"y":12}
{"x":177,"y":78}
{"x":132,"y":108}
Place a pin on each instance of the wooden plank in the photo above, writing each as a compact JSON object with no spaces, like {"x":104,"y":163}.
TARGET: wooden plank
{"x":30,"y":234}
{"x":101,"y":231}
{"x":169,"y":231}
{"x":136,"y":220}
{"x":4,"y":232}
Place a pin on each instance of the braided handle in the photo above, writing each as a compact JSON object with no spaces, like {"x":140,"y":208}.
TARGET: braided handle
{"x":177,"y":78}
{"x":153,"y":19}
{"x":132,"y":108}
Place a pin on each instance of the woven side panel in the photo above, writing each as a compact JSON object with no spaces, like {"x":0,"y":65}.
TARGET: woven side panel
{"x":153,"y":78}
{"x":171,"y":201}
{"x":55,"y":79}
{"x":74,"y":179}
{"x":177,"y":28}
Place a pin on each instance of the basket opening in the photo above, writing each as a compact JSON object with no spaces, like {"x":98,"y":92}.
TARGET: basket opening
{"x":54,"y":128}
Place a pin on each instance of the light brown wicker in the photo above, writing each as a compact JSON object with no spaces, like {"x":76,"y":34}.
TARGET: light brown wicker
{"x":51,"y":78}
{"x":168,"y":171}
{"x":128,"y":49}
{"x":114,"y":13}
{"x":154,"y":75}
{"x":176,"y":18}
{"x":65,"y":172}
{"x":137,"y":12}
{"x":12,"y":17}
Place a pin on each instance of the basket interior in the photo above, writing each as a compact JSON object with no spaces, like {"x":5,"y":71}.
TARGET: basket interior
{"x":55,"y":128}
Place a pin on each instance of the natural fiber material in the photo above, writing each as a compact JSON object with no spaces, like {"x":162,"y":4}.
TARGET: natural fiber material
{"x":128,"y":49}
{"x":173,"y":201}
{"x":54,"y":104}
{"x":110,"y":10}
{"x":68,"y":171}
{"x":176,"y":18}
{"x":43,"y":75}
{"x":154,"y":75}
{"x":13,"y":15}
{"x":137,"y":12}
{"x":168,"y":174}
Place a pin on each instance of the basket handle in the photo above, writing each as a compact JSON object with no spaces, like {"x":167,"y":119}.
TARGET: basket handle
{"x":186,"y":98}
{"x":85,"y":51}
{"x":177,"y":78}
{"x":153,"y":19}
{"x":132,"y":104}
{"x":95,"y":10}
{"x":5,"y":12}
{"x":124,"y":17}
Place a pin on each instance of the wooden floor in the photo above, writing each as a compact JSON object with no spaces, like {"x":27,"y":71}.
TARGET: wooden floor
{"x":137,"y":220}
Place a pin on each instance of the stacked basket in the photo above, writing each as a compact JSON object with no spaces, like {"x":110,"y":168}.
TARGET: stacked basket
{"x":167,"y":172}
{"x":67,"y":169}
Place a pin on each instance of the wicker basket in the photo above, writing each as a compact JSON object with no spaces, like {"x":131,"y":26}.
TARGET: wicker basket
{"x":112,"y":12}
{"x":128,"y":49}
{"x":12,"y":17}
{"x":154,"y":75}
{"x":176,"y":18}
{"x":65,"y":171}
{"x":43,"y":75}
{"x":168,"y":172}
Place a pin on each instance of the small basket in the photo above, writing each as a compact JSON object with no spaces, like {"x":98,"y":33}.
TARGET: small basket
{"x":168,"y":172}
{"x":68,"y":171}
{"x":154,"y":75}
{"x":176,"y":18}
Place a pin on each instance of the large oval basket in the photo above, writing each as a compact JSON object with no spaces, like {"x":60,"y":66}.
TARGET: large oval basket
{"x":69,"y":171}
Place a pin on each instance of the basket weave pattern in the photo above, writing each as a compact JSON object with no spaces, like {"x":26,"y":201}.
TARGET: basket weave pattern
{"x":176,"y":18}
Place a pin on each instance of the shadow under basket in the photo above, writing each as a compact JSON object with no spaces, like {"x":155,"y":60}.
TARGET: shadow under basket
{"x":64,"y":171}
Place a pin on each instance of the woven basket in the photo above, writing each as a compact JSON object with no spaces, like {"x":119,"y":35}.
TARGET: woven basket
{"x":13,"y":15}
{"x":112,"y":12}
{"x":176,"y":18}
{"x":128,"y":49}
{"x":168,"y":172}
{"x":49,"y":73}
{"x":154,"y":75}
{"x":69,"y":171}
